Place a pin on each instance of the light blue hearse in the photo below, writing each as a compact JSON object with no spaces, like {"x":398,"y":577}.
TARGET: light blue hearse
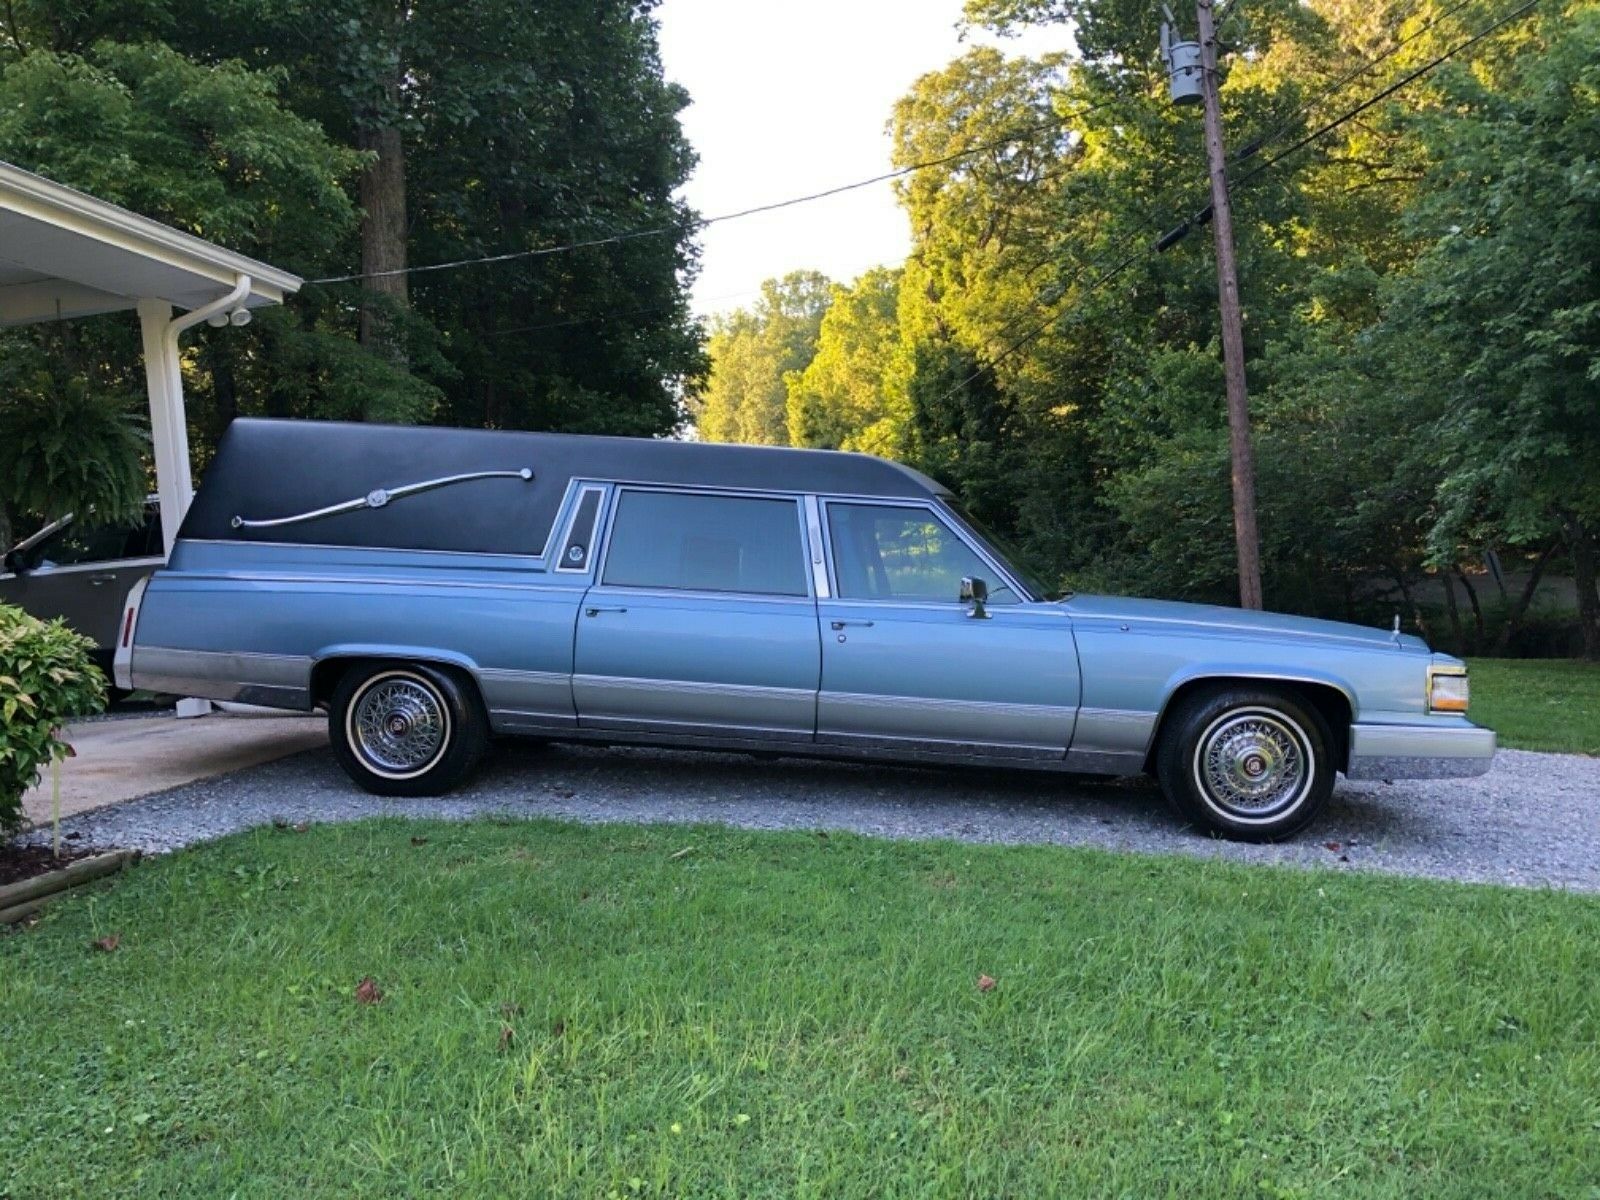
{"x":430,"y":588}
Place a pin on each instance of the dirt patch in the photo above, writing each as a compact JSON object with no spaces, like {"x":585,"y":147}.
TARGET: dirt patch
{"x":19,"y":862}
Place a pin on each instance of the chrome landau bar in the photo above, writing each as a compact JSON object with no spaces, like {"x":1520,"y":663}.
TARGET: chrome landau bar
{"x":379,"y":497}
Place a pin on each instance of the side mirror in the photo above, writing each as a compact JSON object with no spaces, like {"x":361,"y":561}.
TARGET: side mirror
{"x":14,"y":563}
{"x":975,"y":592}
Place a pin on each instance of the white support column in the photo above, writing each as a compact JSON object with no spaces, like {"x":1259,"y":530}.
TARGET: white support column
{"x":169,"y":436}
{"x":169,"y":427}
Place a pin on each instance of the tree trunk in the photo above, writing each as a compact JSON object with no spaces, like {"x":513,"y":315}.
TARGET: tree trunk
{"x":1580,"y":542}
{"x":1477,"y":611}
{"x":383,"y":225}
{"x":1520,"y":609}
{"x":1457,"y":634}
{"x":224,"y":385}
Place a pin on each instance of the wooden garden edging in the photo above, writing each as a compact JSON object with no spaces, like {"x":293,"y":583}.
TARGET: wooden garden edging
{"x":28,"y":896}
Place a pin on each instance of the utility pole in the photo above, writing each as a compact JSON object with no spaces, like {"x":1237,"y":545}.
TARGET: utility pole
{"x":1240,"y":444}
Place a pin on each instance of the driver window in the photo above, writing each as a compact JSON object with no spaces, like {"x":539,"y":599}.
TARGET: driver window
{"x":77,"y":544}
{"x":884,"y":552}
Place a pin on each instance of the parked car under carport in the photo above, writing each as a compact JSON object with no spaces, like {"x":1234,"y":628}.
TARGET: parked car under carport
{"x":82,"y":571}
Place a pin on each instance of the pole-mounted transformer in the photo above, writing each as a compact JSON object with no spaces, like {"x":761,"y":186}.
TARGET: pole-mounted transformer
{"x":1184,"y":72}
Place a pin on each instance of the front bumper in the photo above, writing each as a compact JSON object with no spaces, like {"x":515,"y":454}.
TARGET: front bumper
{"x":1455,"y":750}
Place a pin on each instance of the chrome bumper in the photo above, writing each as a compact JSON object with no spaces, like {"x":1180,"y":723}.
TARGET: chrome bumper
{"x":1454,"y":751}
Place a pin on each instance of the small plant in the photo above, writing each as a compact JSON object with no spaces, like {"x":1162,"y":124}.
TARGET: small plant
{"x":46,"y":679}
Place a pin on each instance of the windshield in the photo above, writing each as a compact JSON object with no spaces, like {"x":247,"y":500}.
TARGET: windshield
{"x":1006,"y":552}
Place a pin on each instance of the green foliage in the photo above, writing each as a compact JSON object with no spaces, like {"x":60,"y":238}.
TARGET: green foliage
{"x":66,"y":444}
{"x":850,"y":396}
{"x":1507,"y":289}
{"x":46,"y":679}
{"x":208,"y":148}
{"x":746,"y":395}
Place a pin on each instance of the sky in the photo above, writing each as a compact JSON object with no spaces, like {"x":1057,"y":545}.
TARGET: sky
{"x":794,"y":96}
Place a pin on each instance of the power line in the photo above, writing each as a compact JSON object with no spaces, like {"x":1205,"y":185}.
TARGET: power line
{"x":612,"y":315}
{"x":1385,"y":93}
{"x":1338,"y":85}
{"x":662,"y":230}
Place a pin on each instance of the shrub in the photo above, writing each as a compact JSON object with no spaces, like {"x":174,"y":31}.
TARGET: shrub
{"x":46,"y":678}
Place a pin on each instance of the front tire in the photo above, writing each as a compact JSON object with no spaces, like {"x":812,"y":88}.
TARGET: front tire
{"x":1251,"y":764}
{"x":406,"y":729}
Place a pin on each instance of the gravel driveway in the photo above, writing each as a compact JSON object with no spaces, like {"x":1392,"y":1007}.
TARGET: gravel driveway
{"x":1533,"y":821}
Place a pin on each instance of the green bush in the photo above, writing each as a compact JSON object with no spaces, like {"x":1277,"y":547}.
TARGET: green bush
{"x":46,"y":678}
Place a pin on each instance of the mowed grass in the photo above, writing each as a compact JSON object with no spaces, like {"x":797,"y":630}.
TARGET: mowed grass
{"x":1538,"y":703}
{"x":703,"y":1012}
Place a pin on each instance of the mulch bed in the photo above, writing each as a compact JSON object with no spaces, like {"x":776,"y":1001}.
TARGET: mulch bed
{"x":18,"y":862}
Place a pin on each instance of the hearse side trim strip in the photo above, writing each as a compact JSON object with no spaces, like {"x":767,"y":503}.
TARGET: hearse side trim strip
{"x":274,"y":680}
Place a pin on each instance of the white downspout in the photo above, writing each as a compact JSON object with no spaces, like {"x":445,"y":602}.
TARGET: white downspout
{"x":169,"y":427}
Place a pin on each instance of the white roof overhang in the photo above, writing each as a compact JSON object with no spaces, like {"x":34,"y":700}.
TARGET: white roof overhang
{"x":64,"y":254}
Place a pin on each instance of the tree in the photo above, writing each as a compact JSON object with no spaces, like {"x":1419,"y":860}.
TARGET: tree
{"x":754,"y":352}
{"x":851,"y":396}
{"x":1508,"y":293}
{"x":508,"y":127}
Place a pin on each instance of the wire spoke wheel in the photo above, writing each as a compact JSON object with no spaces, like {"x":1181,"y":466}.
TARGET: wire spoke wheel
{"x":399,"y":724}
{"x":1254,"y":765}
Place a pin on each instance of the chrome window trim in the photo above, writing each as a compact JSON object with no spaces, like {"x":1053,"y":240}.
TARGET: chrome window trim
{"x":666,"y":593}
{"x":532,"y":561}
{"x":729,"y":490}
{"x":583,"y":490}
{"x":615,"y":507}
{"x":211,"y":576}
{"x":816,"y":549}
{"x":99,"y":564}
{"x":1025,"y":597}
{"x":50,"y":530}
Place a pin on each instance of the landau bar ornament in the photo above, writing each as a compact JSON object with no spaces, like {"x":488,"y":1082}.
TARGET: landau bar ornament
{"x":379,"y":497}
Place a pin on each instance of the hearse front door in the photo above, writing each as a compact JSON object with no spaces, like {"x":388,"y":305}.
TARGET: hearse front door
{"x":702,"y":623}
{"x":906,"y":667}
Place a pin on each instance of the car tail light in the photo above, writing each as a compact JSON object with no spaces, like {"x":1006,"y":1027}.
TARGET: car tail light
{"x":1448,"y":693}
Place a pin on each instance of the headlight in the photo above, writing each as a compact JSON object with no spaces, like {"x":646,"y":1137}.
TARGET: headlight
{"x":1447,"y":693}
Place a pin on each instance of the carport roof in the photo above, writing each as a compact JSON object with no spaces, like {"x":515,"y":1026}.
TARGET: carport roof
{"x":64,"y":254}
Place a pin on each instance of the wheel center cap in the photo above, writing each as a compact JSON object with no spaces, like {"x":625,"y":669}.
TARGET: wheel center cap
{"x":1255,"y":766}
{"x":398,"y":724}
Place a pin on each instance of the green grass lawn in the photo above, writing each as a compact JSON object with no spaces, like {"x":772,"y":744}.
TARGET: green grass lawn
{"x":790,"y":1015}
{"x":1539,"y":703}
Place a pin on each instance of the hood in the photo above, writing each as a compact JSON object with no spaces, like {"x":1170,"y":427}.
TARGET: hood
{"x":1235,"y":622}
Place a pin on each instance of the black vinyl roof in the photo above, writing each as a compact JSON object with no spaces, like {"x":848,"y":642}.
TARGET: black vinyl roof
{"x":267,"y":469}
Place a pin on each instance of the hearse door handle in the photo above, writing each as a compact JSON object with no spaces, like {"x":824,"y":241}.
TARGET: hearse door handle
{"x":600,"y":608}
{"x":101,"y":578}
{"x":842,"y":624}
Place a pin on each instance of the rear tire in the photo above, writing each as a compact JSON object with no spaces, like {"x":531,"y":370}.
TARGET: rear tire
{"x":1254,"y":764}
{"x":406,"y":729}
